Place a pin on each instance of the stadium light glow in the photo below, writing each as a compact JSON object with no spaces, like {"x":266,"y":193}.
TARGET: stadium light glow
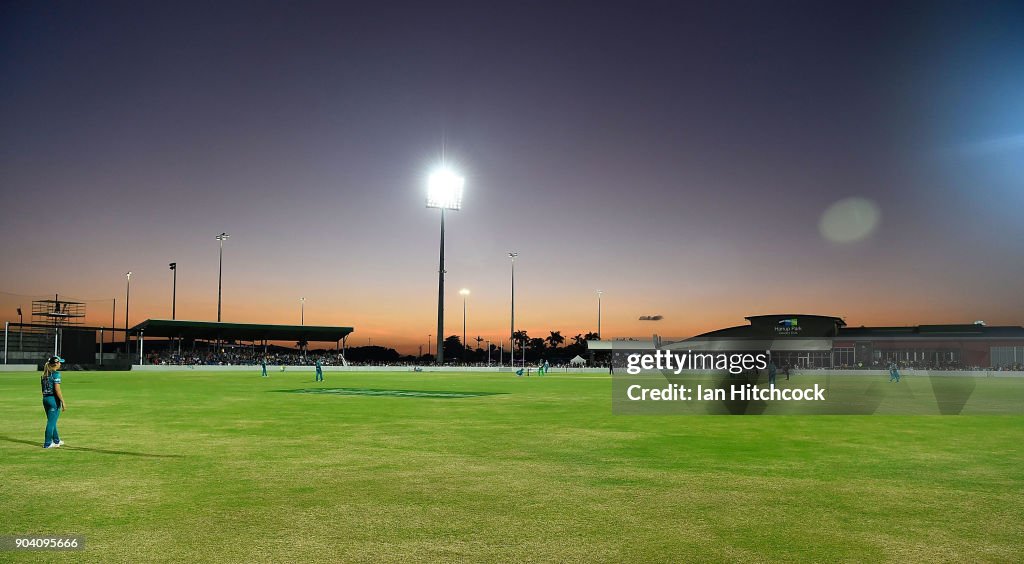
{"x":444,"y":189}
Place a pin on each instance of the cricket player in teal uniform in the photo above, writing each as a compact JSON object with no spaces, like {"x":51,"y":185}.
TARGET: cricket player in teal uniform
{"x":319,"y":371}
{"x":894,"y":373}
{"x":263,"y":364}
{"x":53,"y":400}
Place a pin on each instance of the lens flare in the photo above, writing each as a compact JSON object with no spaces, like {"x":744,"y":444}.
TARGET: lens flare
{"x":850,"y":220}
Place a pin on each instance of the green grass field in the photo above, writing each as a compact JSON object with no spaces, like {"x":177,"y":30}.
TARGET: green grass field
{"x":200,"y":466}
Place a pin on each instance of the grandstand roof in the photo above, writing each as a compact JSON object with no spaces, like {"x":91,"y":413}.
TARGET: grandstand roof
{"x":207,"y":330}
{"x":773,"y":317}
{"x":960,"y":332}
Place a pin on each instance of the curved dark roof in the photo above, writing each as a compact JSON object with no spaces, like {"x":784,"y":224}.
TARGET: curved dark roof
{"x":208,"y":330}
{"x":971,"y":331}
{"x":838,"y":320}
{"x":763,"y":326}
{"x":738,"y":331}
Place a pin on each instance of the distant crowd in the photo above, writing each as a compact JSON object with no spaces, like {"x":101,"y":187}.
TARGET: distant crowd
{"x":242,"y":357}
{"x":249,"y":357}
{"x":912,"y":365}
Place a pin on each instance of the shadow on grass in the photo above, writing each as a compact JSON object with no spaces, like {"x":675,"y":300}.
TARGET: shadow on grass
{"x":87,"y":449}
{"x":436,"y":394}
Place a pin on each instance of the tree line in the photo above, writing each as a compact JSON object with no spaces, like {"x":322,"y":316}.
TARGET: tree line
{"x":554,"y":348}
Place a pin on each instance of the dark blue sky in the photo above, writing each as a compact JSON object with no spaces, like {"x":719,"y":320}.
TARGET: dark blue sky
{"x":679,"y":156}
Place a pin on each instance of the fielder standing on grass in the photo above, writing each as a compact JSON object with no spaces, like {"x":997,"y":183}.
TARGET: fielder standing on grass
{"x":319,"y":371}
{"x":53,"y":400}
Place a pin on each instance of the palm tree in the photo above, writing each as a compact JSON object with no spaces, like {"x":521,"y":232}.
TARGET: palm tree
{"x":537,"y":344}
{"x":478,"y":340}
{"x":453,"y":348}
{"x":520,"y":338}
{"x":579,"y":341}
{"x":555,"y":339}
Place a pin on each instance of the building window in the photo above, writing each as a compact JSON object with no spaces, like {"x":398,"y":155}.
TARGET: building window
{"x":844,"y":357}
{"x":1007,"y":357}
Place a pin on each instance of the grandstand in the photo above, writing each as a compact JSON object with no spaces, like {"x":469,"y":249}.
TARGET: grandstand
{"x":192,"y":336}
{"x":83,"y":346}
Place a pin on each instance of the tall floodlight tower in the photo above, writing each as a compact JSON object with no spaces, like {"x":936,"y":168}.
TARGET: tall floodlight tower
{"x":220,"y":270}
{"x":512,"y":328}
{"x":464,"y":293}
{"x":174,"y":289}
{"x":127,"y":298}
{"x":444,"y":192}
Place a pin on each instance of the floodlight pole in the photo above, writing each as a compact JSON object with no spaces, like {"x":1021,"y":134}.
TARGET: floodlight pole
{"x":464,"y":293}
{"x":127,"y":301}
{"x":512,"y":328}
{"x":444,"y":192}
{"x":428,"y":342}
{"x":174,"y":290}
{"x":21,"y":329}
{"x":302,"y":311}
{"x":599,"y":315}
{"x":174,"y":301}
{"x":440,"y":298}
{"x":220,"y":271}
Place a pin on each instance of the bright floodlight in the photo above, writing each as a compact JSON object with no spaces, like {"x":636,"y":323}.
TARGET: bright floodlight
{"x":464,"y":292}
{"x":444,"y":189}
